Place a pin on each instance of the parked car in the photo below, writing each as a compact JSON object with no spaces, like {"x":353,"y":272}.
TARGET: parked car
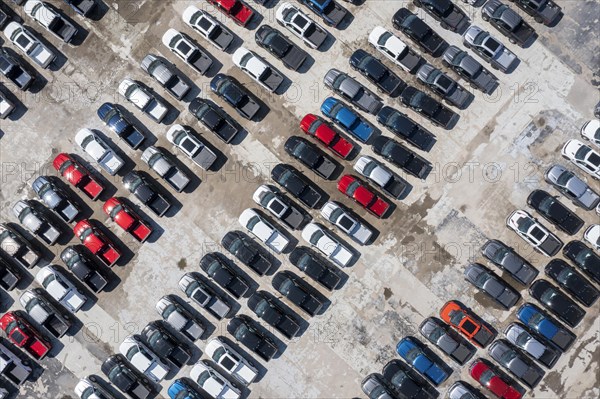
{"x":112,"y":117}
{"x":14,"y":70}
{"x":532,"y":231}
{"x":330,"y":11}
{"x":164,"y":166}
{"x":307,"y":153}
{"x":232,"y":92}
{"x":545,"y":354}
{"x":245,"y":331}
{"x":237,"y":10}
{"x":26,"y":41}
{"x":428,"y":107}
{"x":209,"y":27}
{"x":14,"y":369}
{"x":298,"y":292}
{"x":6,"y":106}
{"x":462,"y":390}
{"x":23,"y":335}
{"x":263,"y":230}
{"x":85,"y":8}
{"x":179,"y":318}
{"x":572,"y":187}
{"x":508,"y":22}
{"x":376,"y":388}
{"x":447,"y":340}
{"x":319,"y":237}
{"x":542,"y":11}
{"x":412,"y":352}
{"x":77,"y":175}
{"x":143,"y":359}
{"x":301,"y":25}
{"x":495,"y":287}
{"x":364,"y":195}
{"x":53,"y":21}
{"x":238,"y":367}
{"x":347,"y":222}
{"x":214,"y":266}
{"x":59,"y":287}
{"x":183,"y":47}
{"x":383,"y":177}
{"x":319,"y":271}
{"x":400,"y":156}
{"x":592,"y":235}
{"x":353,"y":91}
{"x":583,"y":156}
{"x":489,"y":48}
{"x":421,"y":33}
{"x":55,"y":198}
{"x":125,"y":378}
{"x":164,"y":344}
{"x":516,"y":363}
{"x":142,"y":98}
{"x":444,"y":86}
{"x":395,"y":49}
{"x":271,"y":312}
{"x":348,"y":119}
{"x":36,"y":222}
{"x":181,"y":388}
{"x":213,"y":382}
{"x":405,"y":128}
{"x":83,"y":268}
{"x":18,"y":247}
{"x":258,"y":69}
{"x":326,"y":135}
{"x":278,"y":205}
{"x":99,"y":151}
{"x":377,"y":73}
{"x":56,"y":321}
{"x":214,"y":119}
{"x":470,"y":69}
{"x":247,"y":251}
{"x":467,"y":323}
{"x":198,"y":291}
{"x":147,"y":192}
{"x":558,"y":303}
{"x":127,"y":219}
{"x":165,"y":75}
{"x":296,"y":184}
{"x":555,"y":212}
{"x":589,"y":131}
{"x":279,"y":46}
{"x":9,"y":275}
{"x":507,"y":259}
{"x":495,"y":383}
{"x":191,"y":146}
{"x":447,"y":13}
{"x":88,"y":387}
{"x":572,"y":282}
{"x":545,"y":326}
{"x":402,"y":380}
{"x":97,"y":242}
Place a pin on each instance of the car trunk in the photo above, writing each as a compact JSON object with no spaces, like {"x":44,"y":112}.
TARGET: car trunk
{"x":159,"y":205}
{"x":483,"y":337}
{"x":177,"y":179}
{"x":272,"y":79}
{"x":177,"y":87}
{"x":326,"y":168}
{"x":204,"y":158}
{"x":141,"y":231}
{"x":67,"y":211}
{"x":49,"y":234}
{"x":91,"y":188}
{"x":395,"y":187}
{"x":310,"y":197}
{"x":109,"y":255}
{"x":294,"y":58}
{"x":178,"y":356}
{"x":8,"y":280}
{"x":461,"y":354}
{"x":96,"y":281}
{"x":293,"y":218}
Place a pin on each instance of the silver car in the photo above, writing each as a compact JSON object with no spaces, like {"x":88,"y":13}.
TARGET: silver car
{"x":443,"y":85}
{"x":36,"y":222}
{"x":350,"y":89}
{"x":572,"y":187}
{"x":489,"y":48}
{"x":164,"y":166}
{"x":521,"y":338}
{"x":55,"y":198}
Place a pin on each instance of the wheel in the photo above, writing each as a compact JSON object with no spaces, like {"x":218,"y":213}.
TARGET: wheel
{"x":513,"y":41}
{"x":485,"y":17}
{"x":444,"y":25}
{"x":417,"y":3}
{"x":537,"y":19}
{"x":494,"y":66}
{"x":93,"y":378}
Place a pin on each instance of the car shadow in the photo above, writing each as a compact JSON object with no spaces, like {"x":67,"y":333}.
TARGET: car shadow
{"x":236,"y":43}
{"x":307,"y":64}
{"x":327,"y":43}
{"x":530,"y":41}
{"x":345,"y":23}
{"x":99,"y":11}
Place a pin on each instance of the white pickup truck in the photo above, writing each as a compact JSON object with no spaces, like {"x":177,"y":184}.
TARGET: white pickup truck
{"x":191,"y":146}
{"x":26,"y":41}
{"x":263,"y":230}
{"x":36,"y":222}
{"x":17,"y":247}
{"x":143,"y":358}
{"x":139,"y":96}
{"x":50,"y":19}
{"x":60,"y":288}
{"x":320,"y":238}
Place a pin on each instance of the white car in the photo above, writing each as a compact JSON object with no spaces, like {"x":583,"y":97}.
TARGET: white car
{"x":532,"y":231}
{"x":208,"y":27}
{"x":6,"y":106}
{"x":278,"y":206}
{"x":231,"y":361}
{"x":394,"y":49}
{"x":592,"y":235}
{"x":99,"y":151}
{"x":60,"y":288}
{"x":301,"y":25}
{"x":86,"y":388}
{"x":263,"y":230}
{"x":51,"y":20}
{"x":185,"y":49}
{"x":591,"y":131}
{"x":213,"y":382}
{"x":583,"y":156}
{"x":139,"y":96}
{"x":192,"y":147}
{"x":143,"y":359}
{"x":318,"y":237}
{"x":26,"y":41}
{"x":344,"y":220}
{"x":257,"y":68}
{"x":383,"y":177}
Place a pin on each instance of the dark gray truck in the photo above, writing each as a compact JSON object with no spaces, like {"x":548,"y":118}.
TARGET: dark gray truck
{"x":214,"y":118}
{"x":508,"y":22}
{"x":17,"y":247}
{"x":296,"y":184}
{"x":163,"y":74}
{"x":82,"y":267}
{"x":55,"y":199}
{"x":11,"y":366}
{"x":45,"y":313}
{"x":9,"y":275}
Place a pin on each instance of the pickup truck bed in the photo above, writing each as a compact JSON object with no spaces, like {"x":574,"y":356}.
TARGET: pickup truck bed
{"x":221,"y":37}
{"x":159,"y":205}
{"x":201,"y":62}
{"x":56,"y":326}
{"x":67,"y":211}
{"x":90,"y":187}
{"x":156,"y":110}
{"x":293,"y":218}
{"x":462,"y":354}
{"x":523,"y":33}
{"x":84,"y":7}
{"x":63,"y":29}
{"x":133,"y":138}
{"x":177,"y":87}
{"x":326,"y":168}
{"x":11,"y":366}
{"x":249,"y":108}
{"x":309,"y":196}
{"x":179,"y":357}
{"x":177,"y":179}
{"x":395,"y":187}
{"x":48,"y":233}
{"x":483,"y":337}
{"x":550,"y":246}
{"x":9,"y":276}
{"x":273,"y":80}
{"x":205,"y":158}
{"x":315,"y":36}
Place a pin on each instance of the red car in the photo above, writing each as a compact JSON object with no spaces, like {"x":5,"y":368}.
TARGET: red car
{"x":322,"y":131}
{"x":484,"y":375}
{"x":127,"y":219}
{"x":234,"y":9}
{"x":23,"y":335}
{"x":77,"y":175}
{"x":97,"y":242}
{"x":362,"y":194}
{"x":466,"y":323}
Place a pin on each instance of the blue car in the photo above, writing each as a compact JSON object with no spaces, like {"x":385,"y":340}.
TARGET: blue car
{"x":114,"y":119}
{"x":410,"y":350}
{"x":180,"y":389}
{"x":347,"y":119}
{"x":545,"y":326}
{"x":331,"y":12}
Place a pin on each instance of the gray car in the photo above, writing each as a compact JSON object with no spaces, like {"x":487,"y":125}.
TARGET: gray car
{"x":55,"y":198}
{"x":36,"y":222}
{"x":350,"y":89}
{"x":460,"y":390}
{"x":470,"y":69}
{"x":489,"y":48}
{"x":546,"y":354}
{"x":447,"y":340}
{"x":517,"y":363}
{"x":163,"y":165}
{"x":445,"y":86}
{"x":198,"y":291}
{"x":165,"y":75}
{"x":496,"y":288}
{"x":507,"y":259}
{"x":376,"y":388}
{"x":572,"y":187}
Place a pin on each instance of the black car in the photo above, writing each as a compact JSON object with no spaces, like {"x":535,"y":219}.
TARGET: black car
{"x":377,"y":73}
{"x":400,"y":378}
{"x":245,"y":330}
{"x":508,"y":22}
{"x":542,"y":11}
{"x":271,"y":312}
{"x":282,"y":48}
{"x":214,"y":118}
{"x":165,"y":344}
{"x":222,"y":274}
{"x":470,"y":69}
{"x":12,"y":69}
{"x":507,"y":259}
{"x":447,"y":13}
{"x":516,"y":362}
{"x":428,"y":107}
{"x":555,"y":212}
{"x":82,"y":7}
{"x":296,"y":184}
{"x":421,"y":33}
{"x":247,"y":251}
{"x":232,"y":92}
{"x":400,"y":156}
{"x":447,"y":340}
{"x":308,"y":153}
{"x":405,"y":128}
{"x":573,"y":282}
{"x":120,"y":125}
{"x":298,"y":292}
{"x":9,"y":275}
{"x":126,"y":378}
{"x":305,"y":260}
{"x":494,"y":286}
{"x":584,"y":258}
{"x":557,"y":302}
{"x":375,"y":387}
{"x":146,"y":190}
{"x":83,"y":268}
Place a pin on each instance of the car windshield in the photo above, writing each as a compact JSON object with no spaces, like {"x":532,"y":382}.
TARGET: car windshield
{"x":564,"y":178}
{"x":131,"y":352}
{"x":536,"y":319}
{"x":314,"y":239}
{"x":254,"y":220}
{"x":352,"y":187}
{"x":500,"y":254}
{"x":262,"y":307}
{"x":203,"y":377}
{"x":507,"y":356}
{"x":369,"y":168}
{"x":583,"y":256}
{"x":247,"y":57}
{"x":336,"y":213}
{"x":134,"y":183}
{"x":436,"y":333}
{"x":524,"y":224}
{"x":522,"y":339}
{"x":412,"y":354}
{"x":548,"y":295}
{"x":564,"y":275}
{"x":486,"y":377}
{"x":482,"y":278}
{"x":546,"y":204}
